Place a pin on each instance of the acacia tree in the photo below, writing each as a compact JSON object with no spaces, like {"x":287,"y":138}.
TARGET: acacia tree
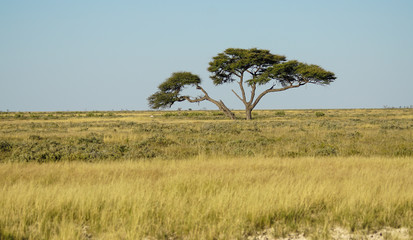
{"x":248,"y":68}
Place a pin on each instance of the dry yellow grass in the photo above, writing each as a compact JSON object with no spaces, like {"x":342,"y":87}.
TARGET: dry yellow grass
{"x":196,"y":175}
{"x":204,"y":198}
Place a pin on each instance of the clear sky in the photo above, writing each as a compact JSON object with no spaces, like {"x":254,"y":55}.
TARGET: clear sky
{"x":111,"y":55}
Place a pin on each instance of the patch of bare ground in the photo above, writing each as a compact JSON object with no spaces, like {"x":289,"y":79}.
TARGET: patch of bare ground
{"x":339,"y":233}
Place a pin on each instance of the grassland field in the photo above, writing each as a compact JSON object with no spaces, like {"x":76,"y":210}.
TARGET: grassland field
{"x":197,"y":175}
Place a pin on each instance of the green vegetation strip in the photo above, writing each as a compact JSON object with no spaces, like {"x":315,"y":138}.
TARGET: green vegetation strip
{"x":102,"y":136}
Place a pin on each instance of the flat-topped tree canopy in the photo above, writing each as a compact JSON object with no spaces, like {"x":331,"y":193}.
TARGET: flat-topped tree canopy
{"x":248,"y":68}
{"x":294,"y":72}
{"x":179,"y":80}
{"x":234,"y":62}
{"x":170,"y":89}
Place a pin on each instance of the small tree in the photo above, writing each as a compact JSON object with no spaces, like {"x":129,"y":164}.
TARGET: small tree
{"x":249,"y":68}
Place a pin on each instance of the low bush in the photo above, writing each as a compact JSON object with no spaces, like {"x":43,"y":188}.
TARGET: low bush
{"x":319,"y":114}
{"x":279,"y":114}
{"x":5,"y":146}
{"x":119,"y":137}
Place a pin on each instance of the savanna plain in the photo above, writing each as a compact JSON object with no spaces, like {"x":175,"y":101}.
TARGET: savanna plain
{"x":287,"y":174}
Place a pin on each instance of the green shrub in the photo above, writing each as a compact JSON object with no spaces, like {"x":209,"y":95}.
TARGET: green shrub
{"x":170,"y":114}
{"x":34,"y":116}
{"x":280,"y":114}
{"x":156,"y":141}
{"x":326,"y":150}
{"x":95,"y":114}
{"x":18,"y":115}
{"x":319,"y":114}
{"x":403,"y":151}
{"x":216,"y":113}
{"x":194,"y":114}
{"x":35,"y":137}
{"x":5,"y":146}
{"x":44,"y":151}
{"x":91,"y":138}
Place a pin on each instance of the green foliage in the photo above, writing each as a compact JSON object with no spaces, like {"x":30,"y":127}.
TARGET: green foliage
{"x":280,"y":113}
{"x":18,"y":115}
{"x":94,"y":114}
{"x":315,"y":74}
{"x":86,"y":148}
{"x":163,"y":99}
{"x":37,"y":151}
{"x":294,"y":72}
{"x":264,"y":67}
{"x":91,"y":139}
{"x":227,"y":66}
{"x":403,"y":150}
{"x":184,"y":134}
{"x":326,"y":150}
{"x":5,"y":146}
{"x":179,"y":80}
{"x":319,"y":114}
{"x":193,"y":114}
{"x":169,"y":90}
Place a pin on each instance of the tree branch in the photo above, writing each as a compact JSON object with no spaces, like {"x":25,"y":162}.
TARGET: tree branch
{"x":258,"y":69}
{"x":241,"y":86}
{"x":219,"y":104}
{"x":200,"y":88}
{"x":253,"y":89}
{"x":199,"y":99}
{"x":236,"y":94}
{"x":277,"y":90}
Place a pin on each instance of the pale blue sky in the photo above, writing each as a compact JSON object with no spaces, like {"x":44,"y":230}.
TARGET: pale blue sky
{"x":111,"y":55}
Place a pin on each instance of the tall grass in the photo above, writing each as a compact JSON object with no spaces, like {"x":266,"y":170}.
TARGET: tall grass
{"x":203,"y":198}
{"x":196,"y":175}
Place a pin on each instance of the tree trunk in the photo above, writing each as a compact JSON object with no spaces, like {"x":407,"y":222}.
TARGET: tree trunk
{"x":226,"y":110}
{"x":220,"y":104}
{"x":230,"y":115}
{"x":248,"y":113}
